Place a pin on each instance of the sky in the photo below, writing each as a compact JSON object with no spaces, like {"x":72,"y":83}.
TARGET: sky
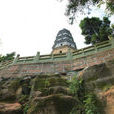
{"x":29,"y":26}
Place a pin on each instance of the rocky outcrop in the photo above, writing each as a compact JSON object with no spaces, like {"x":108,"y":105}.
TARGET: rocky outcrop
{"x":10,"y":108}
{"x":99,"y":76}
{"x":39,"y":94}
{"x":109,"y":99}
{"x":52,"y":104}
{"x":49,"y":94}
{"x":100,"y":80}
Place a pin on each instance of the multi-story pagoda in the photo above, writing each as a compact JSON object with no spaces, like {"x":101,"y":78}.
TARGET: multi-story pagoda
{"x":64,"y":41}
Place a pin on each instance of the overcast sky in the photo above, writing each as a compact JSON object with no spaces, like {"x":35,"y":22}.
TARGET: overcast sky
{"x":28,"y":26}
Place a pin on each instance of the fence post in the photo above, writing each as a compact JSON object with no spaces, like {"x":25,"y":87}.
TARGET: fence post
{"x":95,"y":47}
{"x":52,"y":56}
{"x":69,"y":55}
{"x":16,"y":59}
{"x":83,"y":52}
{"x":112,"y":42}
{"x":37,"y":57}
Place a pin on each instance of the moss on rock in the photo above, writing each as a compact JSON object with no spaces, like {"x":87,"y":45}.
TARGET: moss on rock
{"x":60,"y":103}
{"x":14,"y":85}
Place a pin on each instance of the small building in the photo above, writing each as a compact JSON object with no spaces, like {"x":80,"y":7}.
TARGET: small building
{"x":64,"y":41}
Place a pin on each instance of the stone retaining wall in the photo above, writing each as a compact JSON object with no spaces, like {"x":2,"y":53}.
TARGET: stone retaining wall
{"x":57,"y":66}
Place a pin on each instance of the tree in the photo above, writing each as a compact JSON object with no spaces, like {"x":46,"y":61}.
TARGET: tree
{"x":80,"y":5}
{"x":112,"y":27}
{"x":7,"y":57}
{"x":110,"y":6}
{"x":95,"y":30}
{"x":75,"y":6}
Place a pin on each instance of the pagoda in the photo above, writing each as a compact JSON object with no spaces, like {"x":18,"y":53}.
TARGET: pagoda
{"x":64,"y":42}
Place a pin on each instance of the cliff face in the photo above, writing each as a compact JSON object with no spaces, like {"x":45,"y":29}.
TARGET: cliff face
{"x":41,"y":94}
{"x":49,"y":94}
{"x":100,"y":79}
{"x":108,"y":95}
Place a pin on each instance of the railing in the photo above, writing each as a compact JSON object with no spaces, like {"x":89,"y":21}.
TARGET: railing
{"x":93,"y":49}
{"x":63,"y":56}
{"x":25,"y":59}
{"x":68,"y":56}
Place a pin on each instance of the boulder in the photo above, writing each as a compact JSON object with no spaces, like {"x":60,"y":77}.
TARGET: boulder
{"x":10,"y":108}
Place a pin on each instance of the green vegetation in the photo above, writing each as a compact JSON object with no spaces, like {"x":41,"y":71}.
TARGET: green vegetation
{"x":95,"y":30}
{"x":7,"y":57}
{"x":48,"y":94}
{"x":110,"y":7}
{"x":52,"y":92}
{"x":43,"y":82}
{"x":40,"y":83}
{"x":91,"y":104}
{"x":58,"y":101}
{"x":79,"y":6}
{"x":14,"y":85}
{"x":26,"y":107}
{"x":112,"y":27}
{"x":106,"y":87}
{"x":78,"y":91}
{"x":23,"y":99}
{"x":88,"y":103}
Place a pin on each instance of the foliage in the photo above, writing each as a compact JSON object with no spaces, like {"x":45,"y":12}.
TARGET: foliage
{"x":25,"y":109}
{"x":76,"y":86}
{"x":41,"y":83}
{"x":23,"y":99}
{"x":107,"y":87}
{"x":7,"y":57}
{"x":79,"y":5}
{"x":112,"y":27}
{"x":78,"y":90}
{"x":95,"y":30}
{"x":90,"y":104}
{"x":110,"y":6}
{"x":87,"y":102}
{"x":14,"y":85}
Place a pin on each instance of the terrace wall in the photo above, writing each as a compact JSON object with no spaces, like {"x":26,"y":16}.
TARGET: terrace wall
{"x":79,"y":59}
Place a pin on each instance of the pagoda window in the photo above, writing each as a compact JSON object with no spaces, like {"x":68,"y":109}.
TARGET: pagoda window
{"x":60,"y":51}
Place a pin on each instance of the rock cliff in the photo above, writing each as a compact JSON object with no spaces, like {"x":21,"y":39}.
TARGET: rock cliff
{"x":40,"y":94}
{"x":50,"y":94}
{"x":100,"y":80}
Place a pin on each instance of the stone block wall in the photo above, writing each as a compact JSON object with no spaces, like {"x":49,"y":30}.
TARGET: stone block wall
{"x":57,"y":66}
{"x":94,"y":59}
